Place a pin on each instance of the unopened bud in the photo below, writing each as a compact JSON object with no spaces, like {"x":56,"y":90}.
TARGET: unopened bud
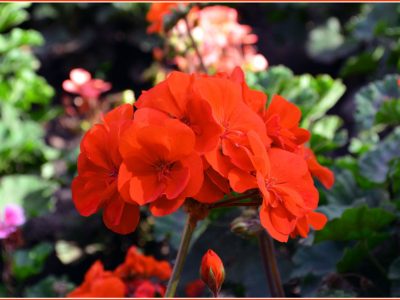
{"x":212,"y":272}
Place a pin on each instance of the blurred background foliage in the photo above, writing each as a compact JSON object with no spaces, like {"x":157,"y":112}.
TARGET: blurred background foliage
{"x":338,"y":63}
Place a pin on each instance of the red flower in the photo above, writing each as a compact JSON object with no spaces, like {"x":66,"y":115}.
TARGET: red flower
{"x":285,"y":184}
{"x":160,"y":166}
{"x":214,"y":187}
{"x":212,"y":271}
{"x":323,"y":174}
{"x":99,"y":284}
{"x":315,"y":219}
{"x":156,"y":15}
{"x":235,"y":119}
{"x":81,"y":83}
{"x":142,"y":288}
{"x":282,"y":120}
{"x":95,"y":187}
{"x":137,"y":265}
{"x":195,"y":288}
{"x":174,"y":97}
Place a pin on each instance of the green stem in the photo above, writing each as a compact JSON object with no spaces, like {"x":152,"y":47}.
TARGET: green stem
{"x":248,"y":195}
{"x":270,"y":264}
{"x":181,"y":257}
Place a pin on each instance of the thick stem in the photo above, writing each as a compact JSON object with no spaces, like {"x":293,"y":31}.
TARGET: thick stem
{"x":181,"y":257}
{"x":194,"y":45}
{"x":270,"y":264}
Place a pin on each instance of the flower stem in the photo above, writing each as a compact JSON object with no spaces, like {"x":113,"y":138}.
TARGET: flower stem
{"x":181,"y":257}
{"x":248,"y":195}
{"x":194,"y":45}
{"x":270,"y":264}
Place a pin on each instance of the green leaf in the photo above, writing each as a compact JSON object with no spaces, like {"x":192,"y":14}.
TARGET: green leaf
{"x":370,"y":98}
{"x":354,"y":256}
{"x":26,"y":263}
{"x":317,"y":260}
{"x":314,"y":95}
{"x":364,"y":63}
{"x":326,"y":134}
{"x":347,"y":193}
{"x":326,"y":43}
{"x":12,"y":14}
{"x":394,"y":270}
{"x":50,"y":287}
{"x":389,"y":113}
{"x":33,"y":193}
{"x":374,"y":165}
{"x":357,"y":223}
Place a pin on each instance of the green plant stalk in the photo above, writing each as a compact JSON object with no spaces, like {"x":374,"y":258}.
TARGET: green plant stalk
{"x":173,"y":282}
{"x":267,"y":250}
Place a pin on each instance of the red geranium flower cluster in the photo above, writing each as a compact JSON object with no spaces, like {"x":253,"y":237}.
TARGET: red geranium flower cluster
{"x":200,"y":137}
{"x":140,"y":276}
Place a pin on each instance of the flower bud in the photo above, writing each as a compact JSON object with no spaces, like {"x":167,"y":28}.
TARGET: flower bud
{"x":212,"y":272}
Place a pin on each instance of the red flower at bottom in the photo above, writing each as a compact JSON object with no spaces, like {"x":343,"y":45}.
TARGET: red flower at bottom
{"x":99,"y":283}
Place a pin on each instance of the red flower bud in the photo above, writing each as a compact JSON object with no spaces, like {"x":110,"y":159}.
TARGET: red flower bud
{"x":212,"y":272}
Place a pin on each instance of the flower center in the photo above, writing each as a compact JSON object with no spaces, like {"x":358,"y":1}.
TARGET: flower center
{"x":163,"y":168}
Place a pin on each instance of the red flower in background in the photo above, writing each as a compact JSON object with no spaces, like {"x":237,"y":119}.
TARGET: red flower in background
{"x":140,"y":276}
{"x":156,"y":15}
{"x":99,"y":283}
{"x":212,"y":272}
{"x":95,"y":187}
{"x":137,"y":265}
{"x":195,"y":288}
{"x":82,"y":83}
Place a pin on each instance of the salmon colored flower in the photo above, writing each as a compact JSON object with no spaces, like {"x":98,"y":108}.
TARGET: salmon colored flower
{"x":160,"y":166}
{"x":99,"y":283}
{"x":82,"y":83}
{"x":156,"y":15}
{"x":137,"y":265}
{"x":282,"y":120}
{"x":195,"y":288}
{"x":99,"y":162}
{"x":222,"y":42}
{"x":323,"y":174}
{"x":212,"y":272}
{"x":174,"y":97}
{"x":285,"y":184}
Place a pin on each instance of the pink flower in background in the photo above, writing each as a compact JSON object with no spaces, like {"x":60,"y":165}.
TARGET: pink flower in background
{"x":222,"y":42}
{"x":82,"y":83}
{"x":11,"y":219}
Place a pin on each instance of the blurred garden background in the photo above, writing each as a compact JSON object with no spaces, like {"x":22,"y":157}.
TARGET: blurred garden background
{"x":338,"y":63}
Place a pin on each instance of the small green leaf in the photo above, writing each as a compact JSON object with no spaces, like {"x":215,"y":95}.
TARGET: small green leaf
{"x":26,"y":263}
